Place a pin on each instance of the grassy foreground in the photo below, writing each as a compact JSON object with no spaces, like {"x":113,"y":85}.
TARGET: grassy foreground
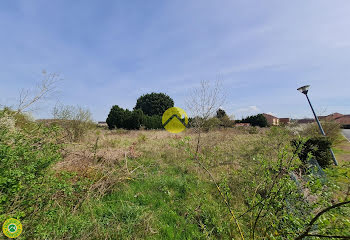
{"x":146,"y":185}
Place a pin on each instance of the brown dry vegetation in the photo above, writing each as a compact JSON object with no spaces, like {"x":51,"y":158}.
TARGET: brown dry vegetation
{"x":101,"y":149}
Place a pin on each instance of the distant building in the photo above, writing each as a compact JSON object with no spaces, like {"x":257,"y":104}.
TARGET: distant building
{"x":284,"y":121}
{"x":331,"y":117}
{"x":306,"y":120}
{"x":342,"y":119}
{"x":271,"y":120}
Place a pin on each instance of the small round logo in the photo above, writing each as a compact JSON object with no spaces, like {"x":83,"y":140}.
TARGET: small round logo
{"x":12,"y":228}
{"x":175,"y":120}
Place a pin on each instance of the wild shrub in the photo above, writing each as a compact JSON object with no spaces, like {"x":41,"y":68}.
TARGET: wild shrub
{"x":25,"y":155}
{"x":7,"y":121}
{"x":273,"y":199}
{"x":226,"y":122}
{"x":318,"y":147}
{"x":75,"y":121}
{"x":16,"y":119}
{"x":211,"y":124}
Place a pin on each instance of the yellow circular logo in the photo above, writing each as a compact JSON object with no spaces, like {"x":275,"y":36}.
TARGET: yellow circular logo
{"x":175,"y":120}
{"x":12,"y":228}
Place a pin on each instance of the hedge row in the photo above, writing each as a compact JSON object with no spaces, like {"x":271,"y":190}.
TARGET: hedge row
{"x":126,"y":119}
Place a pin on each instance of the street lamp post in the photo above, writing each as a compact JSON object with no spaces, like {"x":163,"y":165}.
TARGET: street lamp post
{"x":304,"y":90}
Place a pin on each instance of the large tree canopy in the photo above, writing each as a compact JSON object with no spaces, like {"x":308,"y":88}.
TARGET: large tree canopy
{"x":154,"y":103}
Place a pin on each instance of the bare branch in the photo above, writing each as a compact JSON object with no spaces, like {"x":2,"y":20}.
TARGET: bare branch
{"x":42,"y":90}
{"x":204,"y":101}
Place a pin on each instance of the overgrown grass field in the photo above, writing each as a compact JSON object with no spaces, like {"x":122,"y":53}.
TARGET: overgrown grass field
{"x":234,"y":184}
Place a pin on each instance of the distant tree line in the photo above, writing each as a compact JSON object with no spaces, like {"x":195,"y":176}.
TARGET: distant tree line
{"x":147,"y":113}
{"x":256,"y":120}
{"x":150,"y":107}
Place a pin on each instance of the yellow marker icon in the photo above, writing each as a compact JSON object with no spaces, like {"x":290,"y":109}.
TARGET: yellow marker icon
{"x":175,"y":120}
{"x":12,"y":228}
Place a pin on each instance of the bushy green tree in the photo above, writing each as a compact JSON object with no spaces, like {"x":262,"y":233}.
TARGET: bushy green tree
{"x":154,"y":103}
{"x":132,"y":119}
{"x":136,"y":119}
{"x":127,"y":119}
{"x":116,"y":117}
{"x":220,"y":113}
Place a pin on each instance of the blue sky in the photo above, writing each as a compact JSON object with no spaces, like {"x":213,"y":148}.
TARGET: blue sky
{"x":111,"y":52}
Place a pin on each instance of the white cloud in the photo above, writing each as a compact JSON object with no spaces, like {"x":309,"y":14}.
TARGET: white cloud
{"x":248,"y":109}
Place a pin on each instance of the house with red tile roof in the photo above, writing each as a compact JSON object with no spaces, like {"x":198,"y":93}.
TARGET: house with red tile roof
{"x":342,"y":119}
{"x":271,"y":120}
{"x":274,"y":121}
{"x":330,"y":117}
{"x":284,"y":121}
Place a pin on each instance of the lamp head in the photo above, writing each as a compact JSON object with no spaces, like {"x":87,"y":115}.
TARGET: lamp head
{"x":304,"y":89}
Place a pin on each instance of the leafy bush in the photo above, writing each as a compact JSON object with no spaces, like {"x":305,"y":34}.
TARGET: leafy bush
{"x":225,"y":121}
{"x":318,"y":147}
{"x":24,"y":158}
{"x":211,"y":123}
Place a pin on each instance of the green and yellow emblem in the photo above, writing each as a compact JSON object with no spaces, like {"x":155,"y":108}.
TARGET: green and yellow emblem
{"x":12,"y":228}
{"x":175,"y":120}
